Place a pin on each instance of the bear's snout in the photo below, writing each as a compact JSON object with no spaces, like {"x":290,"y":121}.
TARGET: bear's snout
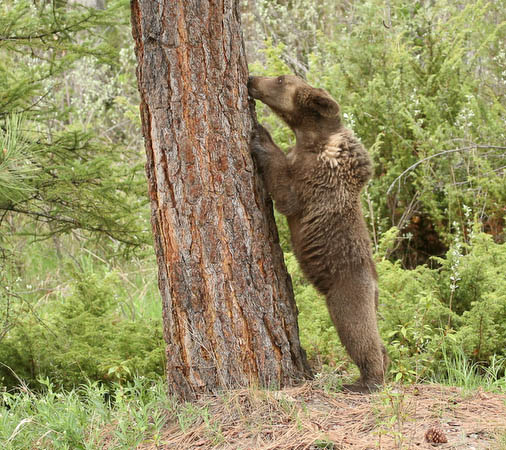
{"x":251,"y":89}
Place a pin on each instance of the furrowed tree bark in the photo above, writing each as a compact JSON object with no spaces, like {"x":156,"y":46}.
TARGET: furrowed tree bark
{"x":229,"y":314}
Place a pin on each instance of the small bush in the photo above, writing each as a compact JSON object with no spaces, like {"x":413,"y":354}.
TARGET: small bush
{"x":82,"y":336}
{"x":462,"y":303}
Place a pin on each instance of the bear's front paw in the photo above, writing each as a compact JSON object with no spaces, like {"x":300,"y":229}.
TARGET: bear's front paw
{"x":259,"y":145}
{"x":260,"y":154}
{"x":260,"y":135}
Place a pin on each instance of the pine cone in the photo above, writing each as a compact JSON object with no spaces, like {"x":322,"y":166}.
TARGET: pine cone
{"x":435,"y":435}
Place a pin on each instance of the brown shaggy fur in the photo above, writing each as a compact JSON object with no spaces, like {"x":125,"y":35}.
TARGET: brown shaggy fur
{"x":317,"y":187}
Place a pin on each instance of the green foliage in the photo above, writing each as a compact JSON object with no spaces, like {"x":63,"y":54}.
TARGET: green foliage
{"x":15,"y":167}
{"x":83,"y":334}
{"x":392,"y":413}
{"x":457,"y":369}
{"x":460,"y":305}
{"x":295,"y":27}
{"x":59,"y":71}
{"x":71,"y":173}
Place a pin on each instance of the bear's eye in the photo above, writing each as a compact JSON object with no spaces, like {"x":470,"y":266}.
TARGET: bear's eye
{"x":280,"y":80}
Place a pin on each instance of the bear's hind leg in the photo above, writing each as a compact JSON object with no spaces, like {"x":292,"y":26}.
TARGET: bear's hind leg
{"x":351,"y":304}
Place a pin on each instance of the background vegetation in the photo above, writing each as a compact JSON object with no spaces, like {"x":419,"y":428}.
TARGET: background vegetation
{"x":421,"y":83}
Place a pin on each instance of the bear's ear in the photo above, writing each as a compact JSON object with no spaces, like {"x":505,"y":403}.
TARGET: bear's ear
{"x":322,"y":102}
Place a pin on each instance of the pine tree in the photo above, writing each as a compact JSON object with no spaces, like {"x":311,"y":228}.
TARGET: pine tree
{"x":57,"y":172}
{"x":229,"y":314}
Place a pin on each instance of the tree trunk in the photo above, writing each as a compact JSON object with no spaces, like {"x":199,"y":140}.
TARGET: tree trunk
{"x":229,"y":315}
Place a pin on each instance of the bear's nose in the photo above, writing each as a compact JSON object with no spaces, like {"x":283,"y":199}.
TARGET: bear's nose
{"x":250,"y":80}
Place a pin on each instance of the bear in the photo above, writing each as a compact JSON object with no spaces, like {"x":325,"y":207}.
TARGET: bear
{"x":317,"y":186}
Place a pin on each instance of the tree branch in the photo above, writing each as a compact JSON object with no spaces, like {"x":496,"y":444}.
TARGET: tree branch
{"x":454,"y":150}
{"x":51,"y":33}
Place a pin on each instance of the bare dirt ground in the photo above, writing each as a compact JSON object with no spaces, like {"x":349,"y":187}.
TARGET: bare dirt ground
{"x":308,"y":418}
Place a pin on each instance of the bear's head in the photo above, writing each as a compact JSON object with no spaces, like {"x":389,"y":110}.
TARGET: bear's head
{"x":295,"y":101}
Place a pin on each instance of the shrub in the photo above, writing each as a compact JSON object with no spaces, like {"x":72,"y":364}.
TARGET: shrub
{"x":461,"y":305}
{"x":81,"y":336}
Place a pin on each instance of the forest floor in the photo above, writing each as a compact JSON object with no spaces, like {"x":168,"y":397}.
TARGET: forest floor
{"x":307,"y":417}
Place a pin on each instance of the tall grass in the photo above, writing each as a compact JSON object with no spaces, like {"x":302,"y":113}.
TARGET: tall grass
{"x":85,"y":417}
{"x":456,"y":369}
{"x":41,"y":272}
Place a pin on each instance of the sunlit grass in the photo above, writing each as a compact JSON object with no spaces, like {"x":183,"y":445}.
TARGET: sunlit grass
{"x":85,"y":417}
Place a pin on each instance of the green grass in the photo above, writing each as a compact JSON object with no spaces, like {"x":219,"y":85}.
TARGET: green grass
{"x":43,"y":271}
{"x":82,"y":418}
{"x":456,"y":369}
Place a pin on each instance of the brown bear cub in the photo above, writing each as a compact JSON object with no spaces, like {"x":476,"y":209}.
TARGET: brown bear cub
{"x":317,"y":187}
